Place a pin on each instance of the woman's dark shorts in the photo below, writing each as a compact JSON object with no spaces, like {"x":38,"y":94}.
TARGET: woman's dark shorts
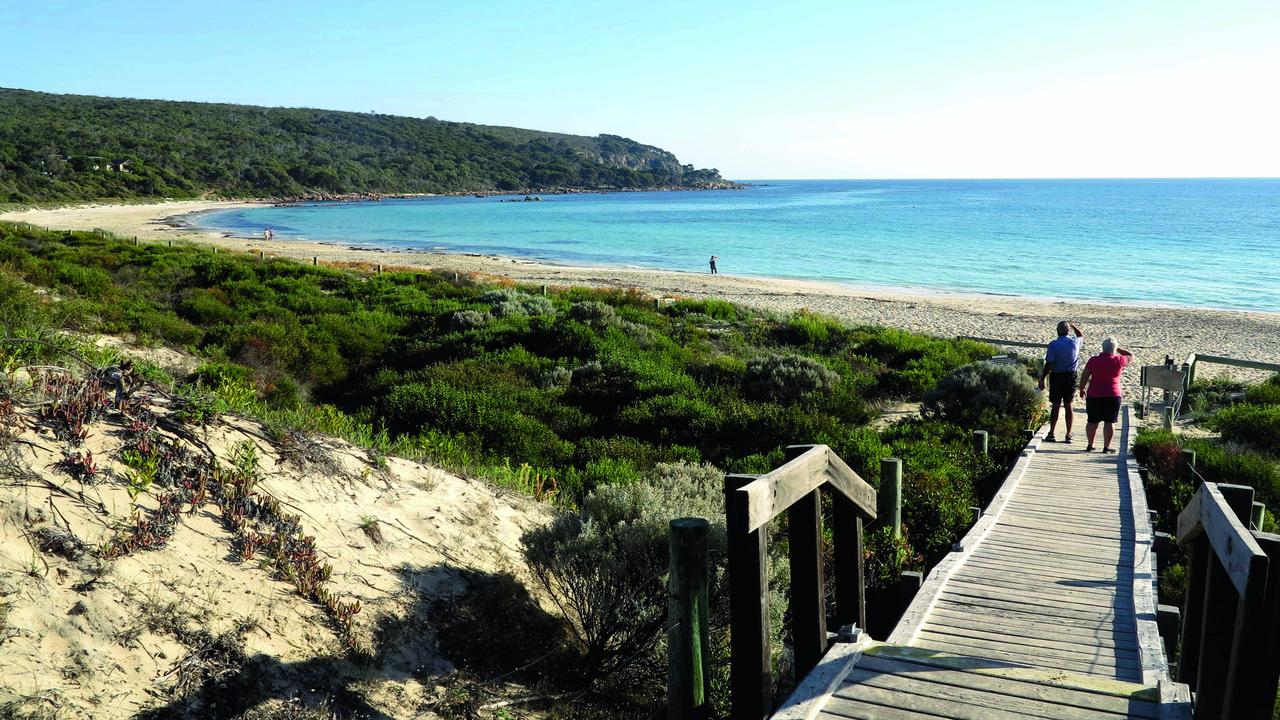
{"x":1102,"y":409}
{"x":1062,"y":385}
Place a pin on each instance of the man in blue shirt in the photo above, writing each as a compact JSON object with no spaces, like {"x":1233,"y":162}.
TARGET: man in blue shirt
{"x":1061,"y":360}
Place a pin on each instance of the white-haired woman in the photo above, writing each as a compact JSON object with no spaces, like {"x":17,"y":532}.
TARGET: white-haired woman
{"x":1100,"y":387}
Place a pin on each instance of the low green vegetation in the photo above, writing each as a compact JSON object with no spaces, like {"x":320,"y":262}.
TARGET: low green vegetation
{"x":623,"y":411}
{"x":61,"y":148}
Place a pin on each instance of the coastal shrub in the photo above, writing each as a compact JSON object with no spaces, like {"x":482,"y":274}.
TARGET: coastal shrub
{"x":1249,"y":424}
{"x":463,"y":320}
{"x":786,"y":378}
{"x":605,"y":565}
{"x":505,"y":302}
{"x":556,"y":377}
{"x":1267,"y":393}
{"x":810,"y":330}
{"x":1206,"y":397}
{"x":714,"y":309}
{"x":593,"y":313}
{"x":915,"y":363}
{"x":986,"y":396}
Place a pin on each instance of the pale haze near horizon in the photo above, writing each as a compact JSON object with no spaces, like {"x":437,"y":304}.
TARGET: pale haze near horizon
{"x":758,"y":90}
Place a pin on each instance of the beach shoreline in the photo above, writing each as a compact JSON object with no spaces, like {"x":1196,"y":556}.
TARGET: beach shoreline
{"x":1151,"y":331}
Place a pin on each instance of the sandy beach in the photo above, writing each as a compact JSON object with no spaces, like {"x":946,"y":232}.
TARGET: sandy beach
{"x":1150,"y":332}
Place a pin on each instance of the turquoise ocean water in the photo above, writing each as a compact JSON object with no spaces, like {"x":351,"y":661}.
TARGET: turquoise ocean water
{"x":1203,"y":243}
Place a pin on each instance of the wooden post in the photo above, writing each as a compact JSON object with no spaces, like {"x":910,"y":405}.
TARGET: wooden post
{"x":1189,"y":468}
{"x":688,"y":617}
{"x":1169,"y":622}
{"x":379,"y":268}
{"x":909,"y":584}
{"x":1198,"y":561}
{"x":1266,"y":642}
{"x":850,"y":580}
{"x":1258,"y":516}
{"x":808,"y":604}
{"x":135,"y":239}
{"x":544,"y":290}
{"x":657,"y":304}
{"x":170,"y":243}
{"x":315,"y":260}
{"x":1230,"y":620}
{"x":1028,"y":436}
{"x":980,"y":439}
{"x":262,"y":255}
{"x":1168,"y":418}
{"x":215,"y":249}
{"x":455,"y":277}
{"x":750,"y":674}
{"x":890,"y":495}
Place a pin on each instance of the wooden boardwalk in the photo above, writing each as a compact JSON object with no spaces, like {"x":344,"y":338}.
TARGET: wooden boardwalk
{"x":1046,"y":609}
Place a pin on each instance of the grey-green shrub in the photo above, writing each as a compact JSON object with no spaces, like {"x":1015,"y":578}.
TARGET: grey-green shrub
{"x":593,"y":313}
{"x":605,"y":566}
{"x":787,"y":378}
{"x":983,"y":395}
{"x":505,"y":303}
{"x":463,"y":320}
{"x":558,"y":376}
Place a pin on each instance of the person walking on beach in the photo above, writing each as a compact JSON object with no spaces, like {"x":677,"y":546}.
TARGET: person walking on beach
{"x":1100,"y":386}
{"x":268,"y":234}
{"x":1061,"y":361}
{"x":713,"y":264}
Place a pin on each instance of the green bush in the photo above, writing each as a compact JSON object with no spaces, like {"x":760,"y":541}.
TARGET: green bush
{"x":463,"y":320}
{"x":593,"y":313}
{"x":1267,"y":393}
{"x":1249,"y":424}
{"x":786,"y":378}
{"x":985,"y":396}
{"x":714,"y":309}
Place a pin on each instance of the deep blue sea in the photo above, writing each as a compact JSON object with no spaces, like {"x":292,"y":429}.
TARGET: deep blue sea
{"x":1205,"y":243}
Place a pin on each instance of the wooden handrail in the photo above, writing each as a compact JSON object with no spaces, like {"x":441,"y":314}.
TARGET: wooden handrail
{"x":1196,"y":358}
{"x":751,"y":502}
{"x":770,"y":494}
{"x":1231,"y":619}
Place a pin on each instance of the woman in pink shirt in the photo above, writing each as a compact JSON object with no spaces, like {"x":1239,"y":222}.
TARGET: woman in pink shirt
{"x":1100,"y":386}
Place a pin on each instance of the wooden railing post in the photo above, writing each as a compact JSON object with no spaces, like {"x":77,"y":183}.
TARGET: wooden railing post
{"x":688,"y":616}
{"x":1266,"y":639}
{"x":890,"y":495}
{"x":980,"y":442}
{"x":850,"y":580}
{"x":1168,"y":418}
{"x":808,"y":592}
{"x":1258,"y":516}
{"x":751,"y":676}
{"x":1188,"y":467}
{"x":1193,"y":611}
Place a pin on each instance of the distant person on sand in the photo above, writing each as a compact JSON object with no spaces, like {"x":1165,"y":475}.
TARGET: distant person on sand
{"x":1101,"y":383}
{"x":713,"y":264}
{"x":1061,"y":361}
{"x":268,"y":234}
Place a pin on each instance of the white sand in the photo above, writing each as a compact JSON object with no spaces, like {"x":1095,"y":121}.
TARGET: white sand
{"x":1150,"y":332}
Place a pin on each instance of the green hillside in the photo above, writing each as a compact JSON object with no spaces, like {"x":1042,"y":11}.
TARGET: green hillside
{"x":75,"y":147}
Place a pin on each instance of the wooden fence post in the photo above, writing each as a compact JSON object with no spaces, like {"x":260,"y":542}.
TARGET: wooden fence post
{"x":1198,"y":560}
{"x":1028,"y":436}
{"x":1168,"y":419}
{"x":379,"y":268}
{"x":688,"y":635}
{"x":1258,"y":516}
{"x":850,"y":580}
{"x":750,"y":674}
{"x":1188,"y":467}
{"x":262,"y":255}
{"x":135,"y":239}
{"x":890,"y":495}
{"x":315,"y":260}
{"x":909,"y":584}
{"x":544,"y":290}
{"x":808,"y":594}
{"x":980,"y":440}
{"x":1168,"y":622}
{"x":1226,"y":624}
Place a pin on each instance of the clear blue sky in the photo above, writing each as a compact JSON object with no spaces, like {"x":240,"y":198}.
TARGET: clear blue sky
{"x":758,"y":89}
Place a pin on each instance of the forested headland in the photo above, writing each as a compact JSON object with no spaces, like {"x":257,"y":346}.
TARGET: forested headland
{"x":67,"y":148}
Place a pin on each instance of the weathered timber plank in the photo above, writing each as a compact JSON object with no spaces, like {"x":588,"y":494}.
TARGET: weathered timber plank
{"x":1014,"y":542}
{"x":1015,"y":580}
{"x":998,"y":613}
{"x":842,"y":709}
{"x":1030,"y":605}
{"x":1118,"y":657}
{"x":1036,"y":632}
{"x":1013,"y":696}
{"x":1031,"y":659}
{"x":1038,"y":593}
{"x":815,"y":689}
{"x":1072,"y":535}
{"x":1062,"y":567}
{"x":1049,"y":685}
{"x":1099,"y":660}
{"x":946,"y":707}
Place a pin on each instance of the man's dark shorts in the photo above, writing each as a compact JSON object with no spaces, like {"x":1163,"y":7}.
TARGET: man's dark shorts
{"x":1102,"y":409}
{"x":1062,"y":385}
